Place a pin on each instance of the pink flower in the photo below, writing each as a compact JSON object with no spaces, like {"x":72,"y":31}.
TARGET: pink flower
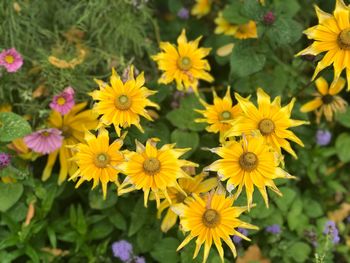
{"x":44,"y":141}
{"x":64,"y":101}
{"x":11,"y":60}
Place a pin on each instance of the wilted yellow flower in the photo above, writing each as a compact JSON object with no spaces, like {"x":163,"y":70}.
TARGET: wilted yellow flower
{"x":201,"y":8}
{"x":331,"y":35}
{"x":63,"y":64}
{"x":326,"y":101}
{"x":184,"y":64}
{"x":153,"y":170}
{"x":122,"y":104}
{"x":270,"y":119}
{"x":210,"y":220}
{"x":219,"y":113}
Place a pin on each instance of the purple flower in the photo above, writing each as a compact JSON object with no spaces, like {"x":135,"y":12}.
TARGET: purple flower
{"x":273,"y":229}
{"x":139,"y":260}
{"x":331,"y":230}
{"x":269,"y":18}
{"x":183,"y":13}
{"x":44,"y":141}
{"x":122,"y":250}
{"x":5,"y":160}
{"x":238,"y":239}
{"x":64,"y":101}
{"x":11,"y":60}
{"x":323,"y":137}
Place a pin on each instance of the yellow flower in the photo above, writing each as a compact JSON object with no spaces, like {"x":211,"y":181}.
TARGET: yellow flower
{"x":211,"y":220}
{"x":152,"y":169}
{"x":326,"y":102}
{"x":270,"y":119}
{"x":64,"y":64}
{"x":219,"y":113}
{"x":184,"y":64}
{"x":123,"y":103}
{"x":243,"y":31}
{"x":331,"y":35}
{"x":97,"y":160}
{"x":72,"y":125}
{"x":201,"y":8}
{"x":196,"y":185}
{"x":247,"y":163}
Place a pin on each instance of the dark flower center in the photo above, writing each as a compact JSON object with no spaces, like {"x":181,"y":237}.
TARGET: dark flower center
{"x":248,"y":161}
{"x":327,"y":99}
{"x":211,"y":218}
{"x":151,"y":166}
{"x":344,"y":39}
{"x":226,"y":115}
{"x":266,"y":126}
{"x":101,"y":160}
{"x":180,"y":197}
{"x":184,"y":63}
{"x":123,"y":102}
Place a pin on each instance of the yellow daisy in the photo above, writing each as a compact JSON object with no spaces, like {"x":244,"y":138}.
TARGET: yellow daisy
{"x":247,"y":163}
{"x":185,"y":64}
{"x":72,"y":125}
{"x":195,"y":185}
{"x":201,"y":8}
{"x":152,"y":169}
{"x":331,"y":35}
{"x":97,"y":160}
{"x":219,"y":113}
{"x":210,"y":220}
{"x":243,"y":31}
{"x":122,"y":104}
{"x":326,"y":101}
{"x":270,"y":119}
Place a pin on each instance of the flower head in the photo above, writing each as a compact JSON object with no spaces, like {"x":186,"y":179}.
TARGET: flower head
{"x":64,"y":101}
{"x":270,"y":119}
{"x":201,"y":8}
{"x":185,"y":64}
{"x":238,"y":239}
{"x":44,"y":141}
{"x":153,"y":170}
{"x":219,"y":113}
{"x":97,"y":160}
{"x":273,"y":229}
{"x":323,"y":137}
{"x":331,"y":230}
{"x":248,"y":163}
{"x":72,"y":125}
{"x":5,"y":160}
{"x":243,"y":31}
{"x":139,"y":259}
{"x":326,"y":101}
{"x":122,"y":104}
{"x":183,"y":13}
{"x":269,"y":18}
{"x":194,"y":185}
{"x":212,"y":219}
{"x":11,"y":60}
{"x":122,"y":250}
{"x":331,"y":35}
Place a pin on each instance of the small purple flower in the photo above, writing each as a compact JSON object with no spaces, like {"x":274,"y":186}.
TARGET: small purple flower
{"x":5,"y":160}
{"x":122,"y":250}
{"x":44,"y":141}
{"x":238,"y":239}
{"x":311,"y":235}
{"x":183,"y":13}
{"x":269,"y":18}
{"x":11,"y":60}
{"x":139,"y":260}
{"x":273,"y":229}
{"x":332,"y":230}
{"x":323,"y":137}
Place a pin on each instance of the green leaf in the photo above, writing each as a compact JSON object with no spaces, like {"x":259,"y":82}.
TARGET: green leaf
{"x":312,"y":209}
{"x":252,"y":9}
{"x":146,"y":238}
{"x":344,"y":118}
{"x":165,"y":250}
{"x":299,"y":251}
{"x":285,"y":31}
{"x":12,"y":126}
{"x":118,"y":220}
{"x":96,"y":199}
{"x":286,"y":200}
{"x":342,"y":145}
{"x":287,"y":8}
{"x":9,"y":195}
{"x":100,"y":230}
{"x":245,"y":60}
{"x":232,"y":13}
{"x":138,"y":221}
{"x":185,"y":139}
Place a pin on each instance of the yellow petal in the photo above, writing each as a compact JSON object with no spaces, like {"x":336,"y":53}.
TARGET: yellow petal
{"x":322,"y":85}
{"x":311,"y":105}
{"x":337,"y":86}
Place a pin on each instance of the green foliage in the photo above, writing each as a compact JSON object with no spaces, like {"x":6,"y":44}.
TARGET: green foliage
{"x":12,"y":126}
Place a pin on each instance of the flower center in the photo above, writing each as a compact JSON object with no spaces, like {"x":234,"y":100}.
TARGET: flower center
{"x":66,"y":131}
{"x":151,"y":166}
{"x":248,"y":161}
{"x":101,"y":160}
{"x":184,"y":63}
{"x":266,"y":126}
{"x":327,"y":99}
{"x":45,"y":134}
{"x":180,"y":197}
{"x":61,"y":101}
{"x":211,"y":218}
{"x":9,"y":59}
{"x":226,"y":115}
{"x":344,"y":39}
{"x":123,"y":102}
